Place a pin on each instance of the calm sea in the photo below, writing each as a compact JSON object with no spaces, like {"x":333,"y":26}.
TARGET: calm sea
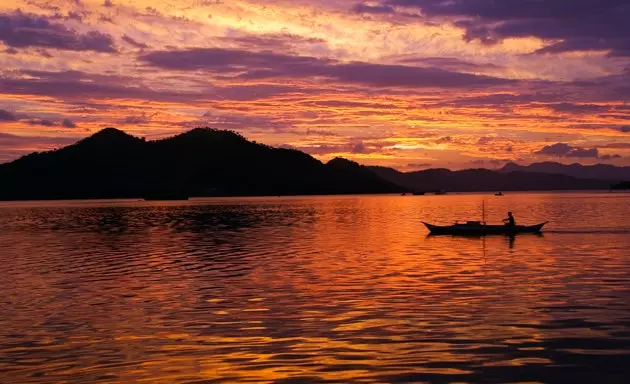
{"x":314,"y":289}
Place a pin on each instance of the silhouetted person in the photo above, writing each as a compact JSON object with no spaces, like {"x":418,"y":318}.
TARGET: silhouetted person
{"x":510,"y":222}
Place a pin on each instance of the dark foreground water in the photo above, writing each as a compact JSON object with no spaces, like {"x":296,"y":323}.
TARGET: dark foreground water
{"x":318,"y":289}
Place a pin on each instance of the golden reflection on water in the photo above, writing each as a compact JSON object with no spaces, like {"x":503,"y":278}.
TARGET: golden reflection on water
{"x":336,"y":289}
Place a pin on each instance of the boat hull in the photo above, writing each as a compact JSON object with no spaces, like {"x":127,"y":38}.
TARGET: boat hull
{"x":482,"y":229}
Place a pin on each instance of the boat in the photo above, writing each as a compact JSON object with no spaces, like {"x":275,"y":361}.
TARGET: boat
{"x":499,"y":194}
{"x":481,"y":228}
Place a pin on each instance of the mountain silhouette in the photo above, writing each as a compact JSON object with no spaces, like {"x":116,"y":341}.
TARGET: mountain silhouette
{"x":596,"y":172}
{"x":484,"y":180}
{"x":201,"y":162}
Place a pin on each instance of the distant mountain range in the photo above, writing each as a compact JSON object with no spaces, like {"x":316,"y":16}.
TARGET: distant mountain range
{"x":201,"y":162}
{"x":209,"y":162}
{"x":479,"y":180}
{"x":596,"y":172}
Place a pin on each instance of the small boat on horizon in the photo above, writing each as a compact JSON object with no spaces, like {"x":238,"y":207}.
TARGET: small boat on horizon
{"x":478,"y":228}
{"x":499,"y":194}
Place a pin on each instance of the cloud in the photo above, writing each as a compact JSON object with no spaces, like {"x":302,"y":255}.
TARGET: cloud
{"x":29,"y":30}
{"x":625,"y":129}
{"x":359,"y":148}
{"x":443,"y":140}
{"x":450,"y":63}
{"x":79,"y":86}
{"x":135,"y":120}
{"x":14,"y":146}
{"x":484,"y":140}
{"x":566,"y":150}
{"x":267,"y":65}
{"x":373,"y":9}
{"x":571,"y":25}
{"x":42,"y":122}
{"x":282,"y":42}
{"x":6,"y":115}
{"x":67,"y":123}
{"x":610,"y":157}
{"x":578,"y":109}
{"x":133,"y":42}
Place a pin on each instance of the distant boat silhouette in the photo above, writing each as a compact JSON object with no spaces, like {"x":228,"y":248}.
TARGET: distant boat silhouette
{"x":499,"y":194}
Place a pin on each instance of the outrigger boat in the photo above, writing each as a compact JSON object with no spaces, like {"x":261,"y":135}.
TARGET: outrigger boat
{"x":480,"y":228}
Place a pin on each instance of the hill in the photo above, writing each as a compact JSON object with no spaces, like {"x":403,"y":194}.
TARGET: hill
{"x":480,"y":180}
{"x":204,"y":161}
{"x":595,"y":172}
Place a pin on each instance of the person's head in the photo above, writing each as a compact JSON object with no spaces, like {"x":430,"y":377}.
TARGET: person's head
{"x":509,"y":213}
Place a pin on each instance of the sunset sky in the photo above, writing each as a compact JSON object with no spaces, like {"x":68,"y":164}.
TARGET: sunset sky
{"x":411,"y":84}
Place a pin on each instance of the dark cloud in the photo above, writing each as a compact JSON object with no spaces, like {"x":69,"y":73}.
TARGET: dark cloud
{"x":108,"y":4}
{"x":42,"y":122}
{"x":28,"y":30}
{"x":6,"y":115}
{"x":449,"y":63}
{"x":359,"y":148}
{"x":266,"y":65}
{"x":67,"y":123}
{"x":445,"y":139}
{"x":578,"y":109}
{"x":625,"y":129}
{"x":484,"y":140}
{"x":79,"y":86}
{"x":283,"y":42}
{"x":610,"y":157}
{"x":572,"y":25}
{"x":133,"y":42}
{"x":374,"y":9}
{"x":320,"y":132}
{"x":566,"y":150}
{"x":135,"y":120}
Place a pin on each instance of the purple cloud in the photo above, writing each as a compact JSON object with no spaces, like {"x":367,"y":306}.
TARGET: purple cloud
{"x":135,"y":120}
{"x":279,"y":42}
{"x":266,"y":65}
{"x":625,"y":129}
{"x":13,"y":146}
{"x":29,"y":30}
{"x":67,"y":123}
{"x":610,"y":157}
{"x":578,"y":109}
{"x":374,"y":9}
{"x":450,"y":63}
{"x":6,"y":115}
{"x":576,"y":25}
{"x":566,"y":150}
{"x":133,"y":42}
{"x":42,"y":122}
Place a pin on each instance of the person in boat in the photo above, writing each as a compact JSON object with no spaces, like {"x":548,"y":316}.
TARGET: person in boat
{"x":509,"y":221}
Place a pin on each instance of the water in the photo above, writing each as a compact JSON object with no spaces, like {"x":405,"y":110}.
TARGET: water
{"x":315,"y":289}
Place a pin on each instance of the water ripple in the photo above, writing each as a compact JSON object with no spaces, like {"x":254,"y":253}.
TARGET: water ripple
{"x":318,"y":289}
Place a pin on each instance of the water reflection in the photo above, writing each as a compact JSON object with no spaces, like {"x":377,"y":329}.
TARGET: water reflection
{"x":337,"y":289}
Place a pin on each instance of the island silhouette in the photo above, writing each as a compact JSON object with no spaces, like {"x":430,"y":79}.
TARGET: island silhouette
{"x":212,"y":162}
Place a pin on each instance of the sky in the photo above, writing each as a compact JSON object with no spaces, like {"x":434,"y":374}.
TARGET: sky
{"x":411,"y":84}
